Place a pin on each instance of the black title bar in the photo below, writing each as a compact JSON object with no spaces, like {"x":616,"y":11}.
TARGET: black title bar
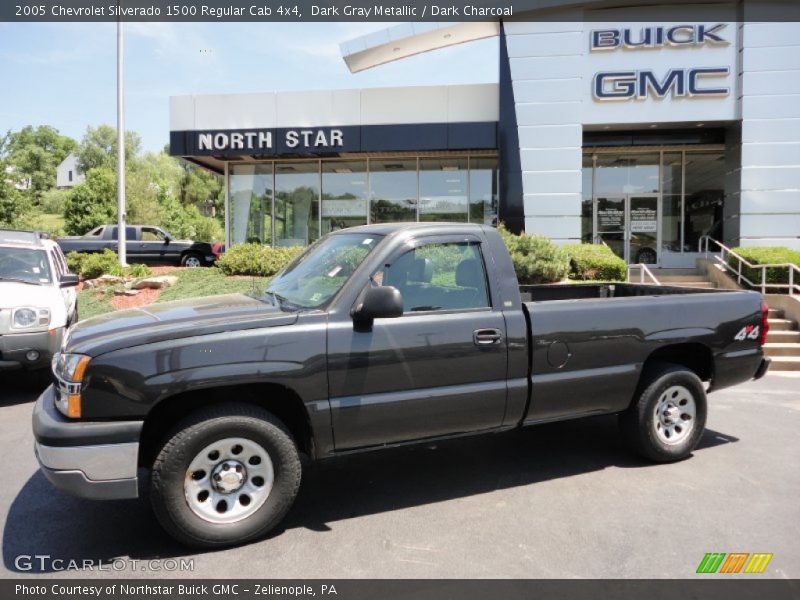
{"x":370,"y":10}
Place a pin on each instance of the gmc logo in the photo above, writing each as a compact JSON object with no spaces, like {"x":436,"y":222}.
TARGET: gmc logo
{"x":639,"y":85}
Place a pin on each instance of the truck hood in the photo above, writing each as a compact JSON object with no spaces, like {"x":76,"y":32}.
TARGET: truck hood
{"x":173,"y":320}
{"x":13,"y":295}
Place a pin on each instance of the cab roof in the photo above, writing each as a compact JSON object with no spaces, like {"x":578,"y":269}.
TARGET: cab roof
{"x":14,"y":237}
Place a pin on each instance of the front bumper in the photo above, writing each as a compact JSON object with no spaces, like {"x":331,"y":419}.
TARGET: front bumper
{"x":14,"y":347}
{"x":88,"y":459}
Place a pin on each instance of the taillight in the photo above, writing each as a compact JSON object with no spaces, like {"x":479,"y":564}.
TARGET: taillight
{"x":764,"y":322}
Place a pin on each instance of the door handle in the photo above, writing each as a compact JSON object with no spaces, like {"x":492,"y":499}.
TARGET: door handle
{"x":487,"y":337}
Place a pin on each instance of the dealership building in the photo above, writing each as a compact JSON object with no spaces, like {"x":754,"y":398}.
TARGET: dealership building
{"x":645,"y":135}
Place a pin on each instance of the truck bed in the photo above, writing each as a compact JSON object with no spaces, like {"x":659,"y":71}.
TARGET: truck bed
{"x":579,"y":291}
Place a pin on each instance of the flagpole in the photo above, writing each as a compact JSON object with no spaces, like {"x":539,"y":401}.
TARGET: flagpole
{"x":122,"y":249}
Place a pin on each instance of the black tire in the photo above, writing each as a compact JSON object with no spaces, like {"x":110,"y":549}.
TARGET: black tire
{"x":642,"y":428}
{"x":188,"y":439}
{"x":188,"y":260}
{"x":647,"y":256}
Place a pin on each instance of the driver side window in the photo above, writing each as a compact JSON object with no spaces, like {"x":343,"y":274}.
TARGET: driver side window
{"x":448,"y":276}
{"x":152,"y":235}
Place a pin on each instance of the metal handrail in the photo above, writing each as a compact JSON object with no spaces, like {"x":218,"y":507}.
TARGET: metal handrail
{"x":722,"y":259}
{"x":643,"y":270}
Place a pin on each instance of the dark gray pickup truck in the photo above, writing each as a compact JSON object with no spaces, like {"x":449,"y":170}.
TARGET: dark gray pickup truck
{"x":376,"y":336}
{"x":145,"y":244}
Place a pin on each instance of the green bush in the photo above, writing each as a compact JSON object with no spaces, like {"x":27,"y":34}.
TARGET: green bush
{"x":256,"y":260}
{"x":536,"y":258}
{"x":92,"y":266}
{"x":766,"y":255}
{"x":589,"y":262}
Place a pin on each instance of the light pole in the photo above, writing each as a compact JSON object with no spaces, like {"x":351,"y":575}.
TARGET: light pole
{"x":122,"y":249}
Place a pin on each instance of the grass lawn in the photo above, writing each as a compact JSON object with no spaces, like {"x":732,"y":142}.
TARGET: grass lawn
{"x":48,"y":222}
{"x":192,"y":283}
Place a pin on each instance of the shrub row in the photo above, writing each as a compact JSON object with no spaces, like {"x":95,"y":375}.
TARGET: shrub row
{"x":256,"y":260}
{"x":767,"y":255}
{"x":92,"y":266}
{"x":589,"y":262}
{"x":536,"y":258}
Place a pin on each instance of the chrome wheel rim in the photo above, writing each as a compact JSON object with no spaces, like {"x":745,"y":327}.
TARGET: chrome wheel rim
{"x":192,"y":262}
{"x":228,"y":480}
{"x":675,"y":415}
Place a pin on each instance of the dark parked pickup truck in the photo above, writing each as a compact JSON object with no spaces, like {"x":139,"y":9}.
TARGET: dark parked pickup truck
{"x":144,"y":244}
{"x":375,"y":336}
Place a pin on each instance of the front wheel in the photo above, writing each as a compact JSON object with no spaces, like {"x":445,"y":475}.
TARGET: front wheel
{"x":192,"y":260}
{"x":226,"y":475}
{"x":667,"y":420}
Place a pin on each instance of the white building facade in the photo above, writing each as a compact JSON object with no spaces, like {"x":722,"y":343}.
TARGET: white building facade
{"x":67,"y":173}
{"x":643,"y":130}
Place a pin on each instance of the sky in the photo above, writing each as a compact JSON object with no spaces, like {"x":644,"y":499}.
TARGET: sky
{"x":64,"y":74}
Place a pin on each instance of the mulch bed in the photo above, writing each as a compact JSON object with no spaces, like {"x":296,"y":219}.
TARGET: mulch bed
{"x":143,"y":298}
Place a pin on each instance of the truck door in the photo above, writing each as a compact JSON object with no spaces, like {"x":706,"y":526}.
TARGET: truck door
{"x":153,"y":245}
{"x":439,"y":369}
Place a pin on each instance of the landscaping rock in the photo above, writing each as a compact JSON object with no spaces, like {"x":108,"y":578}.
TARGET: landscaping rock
{"x":126,"y":292}
{"x":156,"y":283}
{"x":104,"y":280}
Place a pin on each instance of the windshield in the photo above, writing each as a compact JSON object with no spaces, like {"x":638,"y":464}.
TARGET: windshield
{"x":24,"y":265}
{"x":315,"y":277}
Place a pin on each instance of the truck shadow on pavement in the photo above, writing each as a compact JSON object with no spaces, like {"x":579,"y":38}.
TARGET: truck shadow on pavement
{"x":42,"y":520}
{"x":20,"y":387}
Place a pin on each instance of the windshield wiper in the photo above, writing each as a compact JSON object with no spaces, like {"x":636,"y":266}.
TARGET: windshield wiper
{"x":15,"y":280}
{"x":281,"y":301}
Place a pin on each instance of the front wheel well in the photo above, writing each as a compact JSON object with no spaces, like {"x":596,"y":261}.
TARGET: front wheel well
{"x":282,"y":402}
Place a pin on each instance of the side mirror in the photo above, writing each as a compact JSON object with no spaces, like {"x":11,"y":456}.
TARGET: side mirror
{"x":69,"y":280}
{"x":383,"y":302}
{"x":167,"y":239}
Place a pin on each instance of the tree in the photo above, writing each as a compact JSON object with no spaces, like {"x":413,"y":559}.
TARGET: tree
{"x":98,"y":148}
{"x":12,"y":202}
{"x":35,"y":153}
{"x":199,"y":186}
{"x":92,"y":202}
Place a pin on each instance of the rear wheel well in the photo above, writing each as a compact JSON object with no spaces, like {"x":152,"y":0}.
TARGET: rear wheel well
{"x":282,"y":402}
{"x":696,"y":357}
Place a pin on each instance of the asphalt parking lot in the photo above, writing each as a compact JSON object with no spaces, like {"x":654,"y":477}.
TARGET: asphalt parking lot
{"x":562,"y":500}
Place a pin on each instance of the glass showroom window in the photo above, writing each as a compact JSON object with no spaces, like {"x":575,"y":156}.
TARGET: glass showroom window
{"x":483,"y":190}
{"x":587,"y":202}
{"x":705,"y":197}
{"x":443,"y":189}
{"x":296,"y":203}
{"x":671,"y":193}
{"x":344,"y":194}
{"x":250,"y":190}
{"x":393,"y":190}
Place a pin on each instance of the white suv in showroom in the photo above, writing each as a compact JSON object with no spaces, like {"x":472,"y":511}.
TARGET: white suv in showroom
{"x":38,"y":300}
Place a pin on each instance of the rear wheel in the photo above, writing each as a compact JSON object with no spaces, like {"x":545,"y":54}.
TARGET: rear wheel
{"x":192,"y":260}
{"x":668,"y":418}
{"x":225,"y":476}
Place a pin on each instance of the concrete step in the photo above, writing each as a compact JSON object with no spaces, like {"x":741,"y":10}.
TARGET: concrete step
{"x":781,"y":349}
{"x":680,"y":278}
{"x":783,"y":337}
{"x":785,"y":363}
{"x":776,"y":313}
{"x":782,"y":325}
{"x":690,"y":284}
{"x":674,"y":272}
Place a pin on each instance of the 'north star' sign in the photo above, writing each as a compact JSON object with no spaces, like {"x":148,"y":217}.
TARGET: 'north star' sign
{"x":300,"y":139}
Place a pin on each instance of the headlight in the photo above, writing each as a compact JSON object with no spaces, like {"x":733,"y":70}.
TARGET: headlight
{"x":25,"y":318}
{"x":69,"y":370}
